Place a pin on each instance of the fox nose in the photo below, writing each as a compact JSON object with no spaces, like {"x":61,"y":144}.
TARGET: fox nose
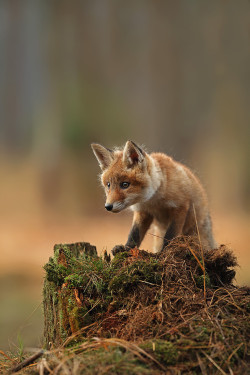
{"x":109,"y":207}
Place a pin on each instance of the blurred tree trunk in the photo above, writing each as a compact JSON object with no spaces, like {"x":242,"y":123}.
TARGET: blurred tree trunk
{"x":13,"y":64}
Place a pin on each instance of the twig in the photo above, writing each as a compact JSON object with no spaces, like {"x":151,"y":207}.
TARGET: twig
{"x":75,"y":334}
{"x":214,"y":363}
{"x":6,"y":356}
{"x":43,"y":365}
{"x":28,"y":361}
{"x":179,"y":325}
{"x":193,"y":253}
{"x":224,"y":297}
{"x":147,"y":282}
{"x":235,"y":351}
{"x":155,"y":235}
{"x":201,"y":364}
{"x":202,"y":255}
{"x":133,"y":348}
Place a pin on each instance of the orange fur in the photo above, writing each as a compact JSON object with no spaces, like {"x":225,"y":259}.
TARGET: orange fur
{"x":160,"y":190}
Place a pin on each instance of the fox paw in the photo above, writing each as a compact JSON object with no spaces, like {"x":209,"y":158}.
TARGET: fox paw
{"x":119,"y":249}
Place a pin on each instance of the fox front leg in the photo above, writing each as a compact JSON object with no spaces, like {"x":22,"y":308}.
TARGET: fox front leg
{"x":141,"y":223}
{"x":175,"y":227}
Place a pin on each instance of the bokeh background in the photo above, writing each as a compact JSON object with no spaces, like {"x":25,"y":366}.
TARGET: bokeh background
{"x":173,"y":75}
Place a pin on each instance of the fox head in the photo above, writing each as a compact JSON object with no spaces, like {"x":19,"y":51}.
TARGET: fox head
{"x":126,"y":175}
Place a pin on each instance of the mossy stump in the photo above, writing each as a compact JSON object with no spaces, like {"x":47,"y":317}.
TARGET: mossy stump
{"x":176,"y":310}
{"x":60,"y":302}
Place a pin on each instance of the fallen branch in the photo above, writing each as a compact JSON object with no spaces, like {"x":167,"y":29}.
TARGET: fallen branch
{"x":28,"y":361}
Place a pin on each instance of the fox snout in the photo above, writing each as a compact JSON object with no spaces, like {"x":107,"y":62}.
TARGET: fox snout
{"x":115,"y":206}
{"x":109,"y":207}
{"x":115,"y":199}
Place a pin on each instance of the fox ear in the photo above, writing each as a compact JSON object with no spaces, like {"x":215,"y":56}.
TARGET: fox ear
{"x":132,"y":154}
{"x":103,"y":155}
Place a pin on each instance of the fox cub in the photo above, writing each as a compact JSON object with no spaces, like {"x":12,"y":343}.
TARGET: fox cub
{"x":159,"y":190}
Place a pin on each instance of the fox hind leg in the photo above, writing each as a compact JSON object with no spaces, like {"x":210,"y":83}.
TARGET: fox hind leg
{"x":158,"y":239}
{"x":206,"y":233}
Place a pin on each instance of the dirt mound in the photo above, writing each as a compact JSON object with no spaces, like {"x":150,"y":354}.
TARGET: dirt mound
{"x":178,"y":308}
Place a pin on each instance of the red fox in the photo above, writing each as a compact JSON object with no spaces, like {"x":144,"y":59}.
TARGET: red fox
{"x":159,"y":190}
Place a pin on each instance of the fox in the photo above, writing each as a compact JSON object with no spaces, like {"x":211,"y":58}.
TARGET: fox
{"x":159,"y":190}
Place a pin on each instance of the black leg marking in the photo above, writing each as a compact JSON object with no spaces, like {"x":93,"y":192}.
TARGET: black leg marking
{"x":134,"y":237}
{"x":170,"y":234}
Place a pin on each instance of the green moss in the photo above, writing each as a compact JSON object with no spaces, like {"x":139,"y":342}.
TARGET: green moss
{"x":128,"y":277}
{"x":86,"y":272}
{"x":199,"y":280}
{"x":98,"y":277}
{"x":119,"y":259}
{"x":75,"y":280}
{"x":203,"y":333}
{"x":56,"y":273}
{"x":164,"y":351}
{"x":122,"y":283}
{"x":113,"y":361}
{"x":80,"y":317}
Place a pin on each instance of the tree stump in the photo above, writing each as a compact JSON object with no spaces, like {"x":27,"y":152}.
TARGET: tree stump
{"x":62,"y":306}
{"x":179,"y":306}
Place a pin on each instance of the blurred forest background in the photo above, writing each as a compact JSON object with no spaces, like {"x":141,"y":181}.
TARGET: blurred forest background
{"x":173,"y":75}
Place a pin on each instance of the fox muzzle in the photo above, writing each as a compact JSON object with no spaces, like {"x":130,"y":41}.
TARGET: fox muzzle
{"x":109,"y":207}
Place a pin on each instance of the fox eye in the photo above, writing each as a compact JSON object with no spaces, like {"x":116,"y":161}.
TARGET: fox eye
{"x":124,"y":185}
{"x":108,"y":184}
